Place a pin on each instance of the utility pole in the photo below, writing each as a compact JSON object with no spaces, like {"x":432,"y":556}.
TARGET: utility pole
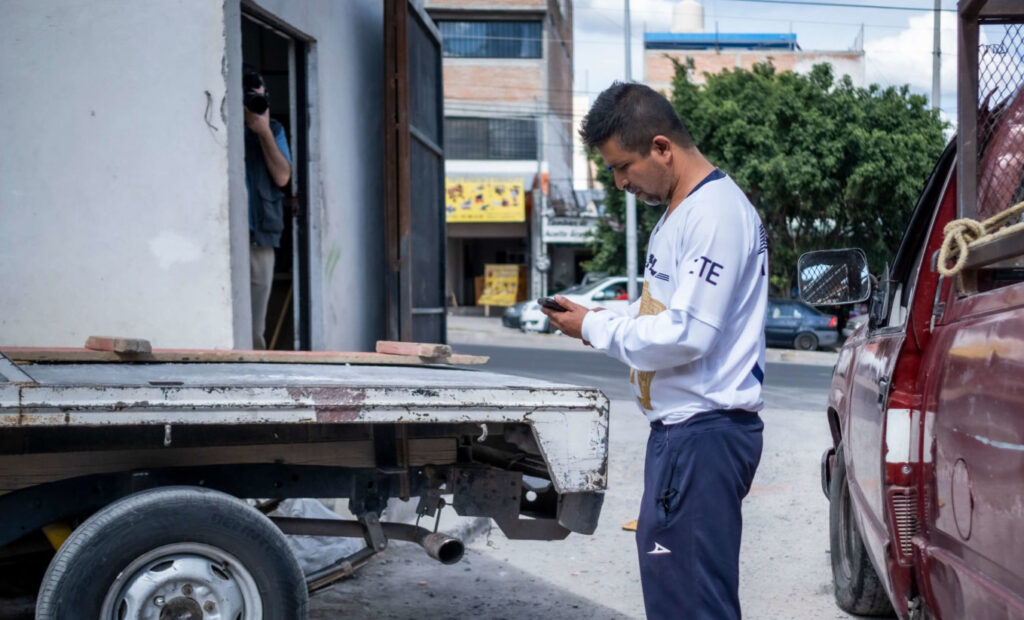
{"x":630,"y":198}
{"x":937,"y":57}
{"x":538,"y":284}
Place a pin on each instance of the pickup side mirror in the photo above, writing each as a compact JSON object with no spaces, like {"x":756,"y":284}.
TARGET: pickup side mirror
{"x":879,"y":311}
{"x":834,"y":277}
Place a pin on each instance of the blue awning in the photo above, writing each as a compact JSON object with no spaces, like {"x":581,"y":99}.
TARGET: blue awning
{"x":710,"y":40}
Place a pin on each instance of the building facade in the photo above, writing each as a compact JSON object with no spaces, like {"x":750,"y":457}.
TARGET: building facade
{"x":122,"y":188}
{"x":714,"y":52}
{"x":507,"y":137}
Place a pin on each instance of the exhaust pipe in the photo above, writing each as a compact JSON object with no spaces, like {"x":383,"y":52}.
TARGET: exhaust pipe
{"x":442,"y":547}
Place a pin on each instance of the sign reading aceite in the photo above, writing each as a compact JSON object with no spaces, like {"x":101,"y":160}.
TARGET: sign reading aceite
{"x":576,"y":230}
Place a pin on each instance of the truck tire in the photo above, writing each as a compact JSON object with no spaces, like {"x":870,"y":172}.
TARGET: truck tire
{"x":858,"y":590}
{"x":170,"y":551}
{"x":805,"y":341}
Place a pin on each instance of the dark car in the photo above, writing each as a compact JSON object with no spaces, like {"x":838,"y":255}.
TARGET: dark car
{"x":793,"y":323}
{"x":511,"y":316}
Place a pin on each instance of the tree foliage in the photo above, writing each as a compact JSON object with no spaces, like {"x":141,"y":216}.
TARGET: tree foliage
{"x":825,"y":163}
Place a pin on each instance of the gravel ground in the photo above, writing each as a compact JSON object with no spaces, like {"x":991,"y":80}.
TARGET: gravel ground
{"x":784,"y":570}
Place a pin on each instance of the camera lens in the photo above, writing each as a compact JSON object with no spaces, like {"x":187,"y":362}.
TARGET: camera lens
{"x":256,"y":102}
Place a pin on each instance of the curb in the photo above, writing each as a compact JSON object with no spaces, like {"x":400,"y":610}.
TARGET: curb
{"x":792,"y":356}
{"x":476,"y":330}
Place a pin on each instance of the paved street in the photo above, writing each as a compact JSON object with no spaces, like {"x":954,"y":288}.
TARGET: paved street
{"x":785,"y":563}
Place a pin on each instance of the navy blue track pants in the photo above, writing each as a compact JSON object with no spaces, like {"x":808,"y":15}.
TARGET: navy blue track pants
{"x":696,"y":474}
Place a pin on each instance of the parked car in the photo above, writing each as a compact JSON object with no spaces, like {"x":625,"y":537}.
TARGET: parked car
{"x":792,"y":323}
{"x":512,"y":315}
{"x":853,"y":324}
{"x":608,"y":293}
{"x":925,"y":471}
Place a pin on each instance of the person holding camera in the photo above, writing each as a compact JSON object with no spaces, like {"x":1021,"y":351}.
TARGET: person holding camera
{"x":267,"y":169}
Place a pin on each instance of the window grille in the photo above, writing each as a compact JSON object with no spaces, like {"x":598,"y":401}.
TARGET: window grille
{"x":491,"y":39}
{"x":490,"y":138}
{"x":990,"y":107}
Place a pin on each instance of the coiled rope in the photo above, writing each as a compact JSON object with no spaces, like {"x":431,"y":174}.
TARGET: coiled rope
{"x":961,"y":235}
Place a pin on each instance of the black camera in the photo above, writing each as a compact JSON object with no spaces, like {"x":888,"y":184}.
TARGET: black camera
{"x":257,"y":103}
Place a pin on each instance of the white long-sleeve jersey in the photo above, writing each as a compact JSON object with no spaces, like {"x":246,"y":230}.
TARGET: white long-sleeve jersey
{"x":695,"y":338}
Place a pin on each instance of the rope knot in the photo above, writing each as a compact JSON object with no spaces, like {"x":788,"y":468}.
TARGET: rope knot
{"x":958,"y":235}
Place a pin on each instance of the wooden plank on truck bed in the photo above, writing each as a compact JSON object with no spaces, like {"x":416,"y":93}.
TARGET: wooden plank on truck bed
{"x":118,"y":345}
{"x":414,"y":348}
{"x":75,"y":355}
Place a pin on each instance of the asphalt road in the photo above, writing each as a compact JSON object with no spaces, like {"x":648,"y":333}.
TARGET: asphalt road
{"x":783,"y":381}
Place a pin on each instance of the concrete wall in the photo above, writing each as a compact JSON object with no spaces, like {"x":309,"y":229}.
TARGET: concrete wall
{"x":346,"y":72}
{"x":122,"y":200}
{"x":114,"y":174}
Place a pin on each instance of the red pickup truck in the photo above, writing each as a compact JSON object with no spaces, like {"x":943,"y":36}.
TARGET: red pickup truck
{"x":925,"y":477}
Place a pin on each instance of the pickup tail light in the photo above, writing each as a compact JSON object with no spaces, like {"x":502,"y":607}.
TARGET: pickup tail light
{"x":901,"y":478}
{"x":833,"y":321}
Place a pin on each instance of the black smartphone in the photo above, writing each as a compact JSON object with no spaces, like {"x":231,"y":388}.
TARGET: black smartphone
{"x":550,"y":304}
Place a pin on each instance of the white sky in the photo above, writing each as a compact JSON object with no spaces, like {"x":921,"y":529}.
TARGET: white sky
{"x":897,"y":43}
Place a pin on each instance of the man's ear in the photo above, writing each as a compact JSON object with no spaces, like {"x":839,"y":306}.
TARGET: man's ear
{"x":661,"y":147}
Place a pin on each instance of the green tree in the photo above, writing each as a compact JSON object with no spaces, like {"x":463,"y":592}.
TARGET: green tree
{"x":825,"y":163}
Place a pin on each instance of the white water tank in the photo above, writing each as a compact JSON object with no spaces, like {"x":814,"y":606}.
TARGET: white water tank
{"x":687,"y":16}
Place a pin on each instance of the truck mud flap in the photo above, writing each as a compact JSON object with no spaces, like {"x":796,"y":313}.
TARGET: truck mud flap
{"x":826,"y":470}
{"x":579,"y":511}
{"x":500,"y":495}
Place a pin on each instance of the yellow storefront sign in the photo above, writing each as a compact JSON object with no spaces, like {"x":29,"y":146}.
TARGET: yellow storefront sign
{"x":484,"y":200}
{"x":504,"y":285}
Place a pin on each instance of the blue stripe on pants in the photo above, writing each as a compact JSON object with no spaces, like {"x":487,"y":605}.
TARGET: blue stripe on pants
{"x":696,"y":474}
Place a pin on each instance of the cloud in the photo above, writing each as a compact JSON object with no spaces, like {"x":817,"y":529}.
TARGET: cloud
{"x":906,"y":57}
{"x":605,"y":17}
{"x":599,"y":39}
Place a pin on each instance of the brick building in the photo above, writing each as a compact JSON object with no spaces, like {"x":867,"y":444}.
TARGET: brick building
{"x":507,"y":68}
{"x":713,"y":52}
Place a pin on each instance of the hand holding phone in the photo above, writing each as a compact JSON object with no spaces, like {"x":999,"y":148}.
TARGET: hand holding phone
{"x":551,"y":304}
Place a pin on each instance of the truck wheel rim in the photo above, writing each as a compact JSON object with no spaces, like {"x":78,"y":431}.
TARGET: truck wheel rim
{"x":183,"y":580}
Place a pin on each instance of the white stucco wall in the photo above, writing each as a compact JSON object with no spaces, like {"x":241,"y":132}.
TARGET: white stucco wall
{"x":346,"y":68}
{"x":113,"y":175}
{"x":840,"y":65}
{"x":117,"y":174}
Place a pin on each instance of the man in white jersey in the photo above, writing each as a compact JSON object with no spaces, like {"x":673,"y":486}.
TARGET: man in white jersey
{"x":695,"y":344}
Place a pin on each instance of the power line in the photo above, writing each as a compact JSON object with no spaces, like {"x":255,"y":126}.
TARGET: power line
{"x":846,"y":5}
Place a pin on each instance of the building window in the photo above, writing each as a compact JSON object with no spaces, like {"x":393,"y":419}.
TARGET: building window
{"x":491,"y":39}
{"x":490,"y":138}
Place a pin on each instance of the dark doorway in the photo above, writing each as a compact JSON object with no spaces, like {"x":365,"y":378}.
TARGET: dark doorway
{"x":281,"y":59}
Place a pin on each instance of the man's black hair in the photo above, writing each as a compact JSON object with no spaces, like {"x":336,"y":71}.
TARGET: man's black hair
{"x":251,"y":78}
{"x":633,"y":114}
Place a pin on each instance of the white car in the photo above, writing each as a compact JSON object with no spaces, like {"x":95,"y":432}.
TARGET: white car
{"x":608,"y":293}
